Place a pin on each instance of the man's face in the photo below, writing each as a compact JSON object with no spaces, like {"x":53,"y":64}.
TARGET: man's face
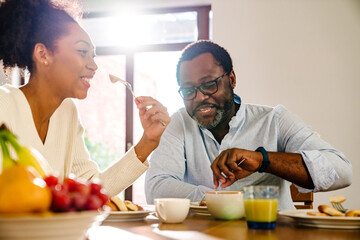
{"x":208,"y":111}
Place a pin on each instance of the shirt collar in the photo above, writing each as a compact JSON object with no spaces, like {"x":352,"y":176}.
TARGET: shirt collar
{"x":237,"y":99}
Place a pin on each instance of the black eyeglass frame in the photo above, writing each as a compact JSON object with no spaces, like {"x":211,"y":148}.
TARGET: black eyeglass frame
{"x":216,"y":81}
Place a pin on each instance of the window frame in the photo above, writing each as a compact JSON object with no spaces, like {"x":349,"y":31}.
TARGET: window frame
{"x":203,"y":23}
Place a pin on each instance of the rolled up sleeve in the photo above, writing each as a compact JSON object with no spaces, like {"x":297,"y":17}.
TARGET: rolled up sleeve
{"x":328,"y":167}
{"x":329,"y":170}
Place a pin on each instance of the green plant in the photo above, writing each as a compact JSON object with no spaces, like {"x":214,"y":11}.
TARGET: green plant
{"x":101,"y":153}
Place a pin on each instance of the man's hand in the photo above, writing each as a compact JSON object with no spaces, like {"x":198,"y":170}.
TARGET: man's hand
{"x":234,"y":164}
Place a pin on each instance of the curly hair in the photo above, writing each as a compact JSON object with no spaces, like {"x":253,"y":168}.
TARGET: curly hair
{"x":205,"y":46}
{"x":24,"y":23}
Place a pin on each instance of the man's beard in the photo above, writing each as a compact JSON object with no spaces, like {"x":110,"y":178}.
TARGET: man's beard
{"x":220,"y":116}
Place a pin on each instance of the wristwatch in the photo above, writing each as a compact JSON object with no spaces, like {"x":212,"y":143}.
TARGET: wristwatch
{"x":265,"y":163}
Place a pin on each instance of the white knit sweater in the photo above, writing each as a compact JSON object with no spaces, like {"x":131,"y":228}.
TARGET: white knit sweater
{"x":64,"y":147}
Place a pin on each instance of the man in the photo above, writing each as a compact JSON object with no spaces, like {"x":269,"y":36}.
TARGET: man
{"x":217,"y":138}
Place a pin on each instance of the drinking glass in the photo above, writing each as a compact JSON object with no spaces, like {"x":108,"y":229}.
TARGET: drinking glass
{"x":260,"y":204}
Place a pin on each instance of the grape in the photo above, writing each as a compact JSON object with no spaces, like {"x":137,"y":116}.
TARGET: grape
{"x":78,"y":201}
{"x":103,"y":196}
{"x":93,"y":203}
{"x":51,"y":180}
{"x":71,"y":184}
{"x":83,"y":189}
{"x":60,"y":198}
{"x":76,"y":194}
{"x":95,"y":188}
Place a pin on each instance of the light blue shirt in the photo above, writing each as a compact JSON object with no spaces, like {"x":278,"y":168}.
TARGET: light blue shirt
{"x":180,"y":166}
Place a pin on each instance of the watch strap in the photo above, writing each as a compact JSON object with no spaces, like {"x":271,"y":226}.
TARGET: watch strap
{"x":265,"y":163}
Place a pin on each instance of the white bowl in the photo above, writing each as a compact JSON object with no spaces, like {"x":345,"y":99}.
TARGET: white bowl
{"x":52,"y":226}
{"x":226,"y":205}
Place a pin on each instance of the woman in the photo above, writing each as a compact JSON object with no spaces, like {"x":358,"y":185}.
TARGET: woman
{"x":43,"y":37}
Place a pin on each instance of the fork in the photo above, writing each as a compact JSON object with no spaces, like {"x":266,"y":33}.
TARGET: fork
{"x":339,"y":207}
{"x":115,"y":79}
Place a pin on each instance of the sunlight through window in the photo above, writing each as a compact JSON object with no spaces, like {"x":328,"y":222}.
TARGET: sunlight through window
{"x":142,"y":48}
{"x":133,"y":29}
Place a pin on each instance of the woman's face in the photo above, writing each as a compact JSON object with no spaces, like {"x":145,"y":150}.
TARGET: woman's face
{"x":72,"y":64}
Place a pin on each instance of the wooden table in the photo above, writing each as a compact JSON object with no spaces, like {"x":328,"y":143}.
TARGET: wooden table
{"x":197,"y":227}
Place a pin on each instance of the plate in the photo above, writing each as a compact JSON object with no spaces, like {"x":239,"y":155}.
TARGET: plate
{"x":50,"y":226}
{"x":302,"y":218}
{"x":127,"y":216}
{"x":200,"y":210}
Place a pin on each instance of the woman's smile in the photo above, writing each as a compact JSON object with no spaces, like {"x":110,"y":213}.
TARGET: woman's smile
{"x":86,"y":81}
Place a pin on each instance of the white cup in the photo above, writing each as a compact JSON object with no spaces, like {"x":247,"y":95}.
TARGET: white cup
{"x":172,"y":210}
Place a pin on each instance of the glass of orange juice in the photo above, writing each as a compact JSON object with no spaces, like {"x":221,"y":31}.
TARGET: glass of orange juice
{"x":260,"y":204}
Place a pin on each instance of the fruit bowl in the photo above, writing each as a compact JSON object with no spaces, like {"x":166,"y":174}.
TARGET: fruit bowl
{"x":50,"y":226}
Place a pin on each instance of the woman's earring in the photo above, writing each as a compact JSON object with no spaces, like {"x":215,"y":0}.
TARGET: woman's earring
{"x":46,"y":63}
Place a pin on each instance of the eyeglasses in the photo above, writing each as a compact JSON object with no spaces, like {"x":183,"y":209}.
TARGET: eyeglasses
{"x":208,"y":88}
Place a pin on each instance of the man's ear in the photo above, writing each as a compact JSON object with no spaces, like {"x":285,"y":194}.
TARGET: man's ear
{"x":41,"y":54}
{"x":232,"y":77}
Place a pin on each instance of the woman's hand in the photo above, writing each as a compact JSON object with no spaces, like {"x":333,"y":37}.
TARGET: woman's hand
{"x":154,"y":119}
{"x":153,"y":116}
{"x":234,"y":164}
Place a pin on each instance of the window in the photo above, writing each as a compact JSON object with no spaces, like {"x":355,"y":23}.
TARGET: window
{"x":103,"y":112}
{"x":144,"y":29}
{"x":142,"y":48}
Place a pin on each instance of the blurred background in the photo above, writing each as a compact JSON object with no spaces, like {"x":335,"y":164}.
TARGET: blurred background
{"x":304,"y":55}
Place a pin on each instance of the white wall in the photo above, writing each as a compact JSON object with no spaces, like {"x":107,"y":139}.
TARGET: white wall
{"x":304,"y":55}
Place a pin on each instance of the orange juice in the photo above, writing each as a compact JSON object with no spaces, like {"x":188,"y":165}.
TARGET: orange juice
{"x":261,"y":210}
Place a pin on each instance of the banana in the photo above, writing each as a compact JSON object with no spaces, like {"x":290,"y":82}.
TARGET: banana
{"x":25,"y":155}
{"x":31,"y":157}
{"x":7,"y":161}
